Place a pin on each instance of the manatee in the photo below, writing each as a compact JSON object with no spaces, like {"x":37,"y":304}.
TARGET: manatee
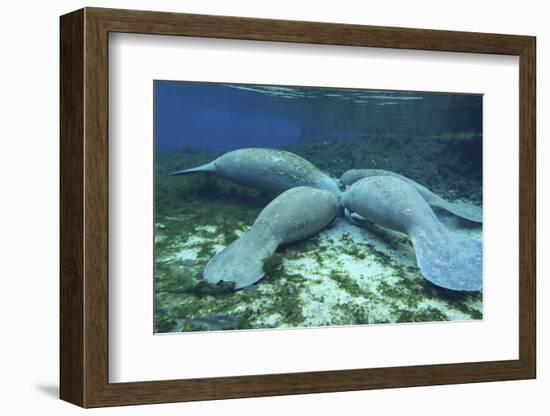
{"x":466,"y":211}
{"x":447,"y":259}
{"x":269,"y":170}
{"x":288,"y":218}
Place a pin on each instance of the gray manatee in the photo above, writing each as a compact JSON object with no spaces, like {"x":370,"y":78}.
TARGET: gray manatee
{"x":445,"y":258}
{"x":294,"y":215}
{"x":270,"y":170}
{"x":469,"y":212}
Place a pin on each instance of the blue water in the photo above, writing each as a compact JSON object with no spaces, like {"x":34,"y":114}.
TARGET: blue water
{"x":222,"y":117}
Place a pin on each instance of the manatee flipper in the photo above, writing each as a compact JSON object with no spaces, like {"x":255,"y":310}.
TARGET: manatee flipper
{"x":242,"y":261}
{"x":447,"y":259}
{"x":286,"y":219}
{"x":354,"y":218}
{"x":469,"y":212}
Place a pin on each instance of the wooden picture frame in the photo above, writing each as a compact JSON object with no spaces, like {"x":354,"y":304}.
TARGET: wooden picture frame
{"x":84,"y":207}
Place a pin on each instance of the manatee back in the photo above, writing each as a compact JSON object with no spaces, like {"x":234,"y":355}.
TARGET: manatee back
{"x":353,"y":175}
{"x":467,"y":211}
{"x":389,"y":201}
{"x":298,"y":213}
{"x":272,"y":170}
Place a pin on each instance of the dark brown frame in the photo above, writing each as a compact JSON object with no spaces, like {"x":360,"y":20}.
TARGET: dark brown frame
{"x":84,"y":208}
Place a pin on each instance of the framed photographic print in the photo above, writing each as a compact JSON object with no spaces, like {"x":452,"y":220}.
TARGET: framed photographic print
{"x":255,"y":207}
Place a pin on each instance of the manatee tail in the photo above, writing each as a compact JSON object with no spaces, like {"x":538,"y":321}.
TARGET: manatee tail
{"x":467,"y":211}
{"x":449,"y":260}
{"x":206,"y":168}
{"x":242,"y":261}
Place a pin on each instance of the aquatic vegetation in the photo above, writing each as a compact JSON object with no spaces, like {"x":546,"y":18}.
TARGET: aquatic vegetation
{"x":273,"y":265}
{"x":164,"y":322}
{"x":423,"y":315}
{"x":346,"y":283}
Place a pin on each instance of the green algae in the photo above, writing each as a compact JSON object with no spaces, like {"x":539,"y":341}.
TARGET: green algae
{"x":422,"y":315}
{"x":289,"y":305}
{"x":351,"y":248}
{"x":359,"y":315}
{"x":346,"y":283}
{"x":273,"y":265}
{"x":164,"y":322}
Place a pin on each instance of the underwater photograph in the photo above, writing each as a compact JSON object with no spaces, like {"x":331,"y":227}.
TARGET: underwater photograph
{"x":291,"y":207}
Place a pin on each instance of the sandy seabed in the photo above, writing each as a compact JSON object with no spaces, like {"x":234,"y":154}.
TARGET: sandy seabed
{"x":346,"y":275}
